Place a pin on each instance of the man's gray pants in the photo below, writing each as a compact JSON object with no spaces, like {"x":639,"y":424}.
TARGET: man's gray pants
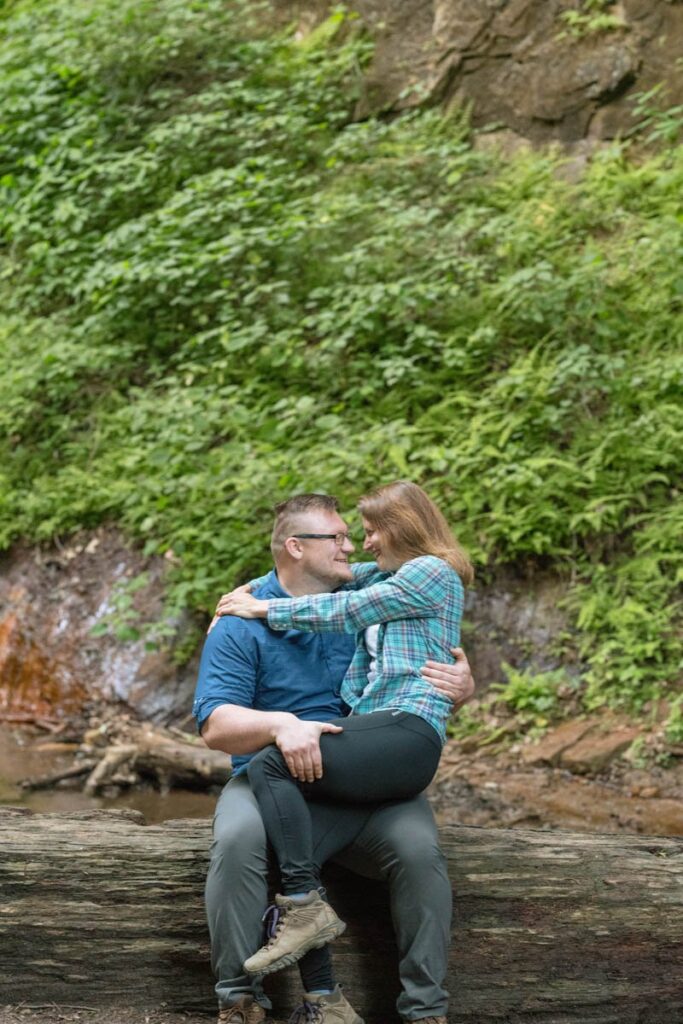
{"x":398,"y":842}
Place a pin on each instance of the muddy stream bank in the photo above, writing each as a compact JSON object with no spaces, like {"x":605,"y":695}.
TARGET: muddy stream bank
{"x":493,"y":792}
{"x":27,"y":754}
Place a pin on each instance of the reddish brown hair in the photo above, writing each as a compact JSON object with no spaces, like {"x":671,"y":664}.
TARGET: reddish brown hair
{"x":413,"y":525}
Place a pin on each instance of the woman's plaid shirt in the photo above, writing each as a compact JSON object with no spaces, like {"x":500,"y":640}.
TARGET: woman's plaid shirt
{"x":419,"y":608}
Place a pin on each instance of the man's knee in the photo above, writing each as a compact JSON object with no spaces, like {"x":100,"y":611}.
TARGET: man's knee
{"x":239,"y":838}
{"x":239,"y":843}
{"x":416,"y":855}
{"x":404,"y":839}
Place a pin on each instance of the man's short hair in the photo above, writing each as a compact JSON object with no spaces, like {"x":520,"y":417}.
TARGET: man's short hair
{"x":287,"y":514}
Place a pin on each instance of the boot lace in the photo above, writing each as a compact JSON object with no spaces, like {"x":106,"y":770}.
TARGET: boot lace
{"x":308,"y":1013}
{"x":273,"y":919}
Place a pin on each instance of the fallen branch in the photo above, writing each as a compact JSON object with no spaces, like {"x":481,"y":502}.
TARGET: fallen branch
{"x":47,"y":781}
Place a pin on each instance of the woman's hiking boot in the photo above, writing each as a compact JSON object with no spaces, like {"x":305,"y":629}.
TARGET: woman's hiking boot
{"x":325,"y":1009}
{"x":296,"y":926}
{"x":245,"y":1011}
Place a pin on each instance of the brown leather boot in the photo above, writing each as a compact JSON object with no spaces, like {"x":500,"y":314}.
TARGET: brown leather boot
{"x":244,"y":1011}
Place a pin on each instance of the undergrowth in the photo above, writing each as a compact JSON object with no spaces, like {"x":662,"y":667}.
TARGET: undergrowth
{"x":217,"y":290}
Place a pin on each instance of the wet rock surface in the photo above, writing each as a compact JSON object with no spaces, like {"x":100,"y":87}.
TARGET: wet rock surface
{"x":51,"y":661}
{"x":518,"y":620}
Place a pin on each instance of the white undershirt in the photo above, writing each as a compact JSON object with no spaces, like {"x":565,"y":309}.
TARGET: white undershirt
{"x":371,"y":637}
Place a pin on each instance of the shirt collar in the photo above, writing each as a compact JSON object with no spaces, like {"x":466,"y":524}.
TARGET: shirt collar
{"x":272,"y":586}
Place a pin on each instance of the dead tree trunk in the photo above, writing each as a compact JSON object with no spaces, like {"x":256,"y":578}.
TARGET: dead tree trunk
{"x":550,"y":927}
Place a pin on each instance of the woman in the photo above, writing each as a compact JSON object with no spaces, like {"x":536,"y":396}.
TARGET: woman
{"x":406,"y":608}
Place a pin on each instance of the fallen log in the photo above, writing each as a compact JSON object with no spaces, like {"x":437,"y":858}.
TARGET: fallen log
{"x":551,"y":927}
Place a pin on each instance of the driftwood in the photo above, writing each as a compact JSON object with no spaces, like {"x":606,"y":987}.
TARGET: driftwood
{"x":48,"y":781}
{"x":122,"y":753}
{"x":551,"y":927}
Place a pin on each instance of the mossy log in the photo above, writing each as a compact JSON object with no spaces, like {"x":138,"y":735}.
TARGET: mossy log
{"x":550,"y":927}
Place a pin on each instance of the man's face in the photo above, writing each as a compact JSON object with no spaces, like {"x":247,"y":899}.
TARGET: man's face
{"x":323,"y":558}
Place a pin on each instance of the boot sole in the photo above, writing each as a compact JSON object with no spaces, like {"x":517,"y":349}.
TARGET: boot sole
{"x":328,"y":935}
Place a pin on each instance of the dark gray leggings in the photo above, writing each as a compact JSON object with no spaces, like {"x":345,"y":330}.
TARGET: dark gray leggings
{"x":386,"y":755}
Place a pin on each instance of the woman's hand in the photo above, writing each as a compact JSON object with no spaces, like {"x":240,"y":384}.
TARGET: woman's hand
{"x":221,"y":607}
{"x":241,"y":603}
{"x":455,"y":682}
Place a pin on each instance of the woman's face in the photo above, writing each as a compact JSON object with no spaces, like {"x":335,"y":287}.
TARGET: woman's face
{"x":375,"y":542}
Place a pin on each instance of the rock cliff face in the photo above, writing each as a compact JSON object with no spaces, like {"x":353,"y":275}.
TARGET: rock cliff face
{"x":516,"y":62}
{"x":51,"y":662}
{"x":56,"y":657}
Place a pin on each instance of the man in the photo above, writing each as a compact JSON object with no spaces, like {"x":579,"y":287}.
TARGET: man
{"x":256,"y":687}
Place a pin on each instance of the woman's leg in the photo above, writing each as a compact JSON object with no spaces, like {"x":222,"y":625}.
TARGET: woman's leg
{"x":383,"y":756}
{"x":387,"y":755}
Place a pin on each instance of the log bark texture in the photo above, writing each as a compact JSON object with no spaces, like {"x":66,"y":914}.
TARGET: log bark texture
{"x":550,"y":928}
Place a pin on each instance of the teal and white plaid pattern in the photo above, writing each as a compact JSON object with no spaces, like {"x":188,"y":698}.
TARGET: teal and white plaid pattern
{"x":420,"y":608}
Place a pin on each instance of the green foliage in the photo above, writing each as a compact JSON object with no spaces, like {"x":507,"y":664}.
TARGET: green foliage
{"x":673,"y":727}
{"x":467,"y":722}
{"x":534,"y":697}
{"x":656,"y":123}
{"x":591,"y":18}
{"x":218,"y":290}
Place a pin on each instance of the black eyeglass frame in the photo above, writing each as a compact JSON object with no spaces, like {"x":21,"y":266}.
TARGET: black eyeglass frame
{"x":324,"y":536}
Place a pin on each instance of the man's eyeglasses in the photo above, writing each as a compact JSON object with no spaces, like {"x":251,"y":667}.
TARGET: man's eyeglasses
{"x":338,"y":538}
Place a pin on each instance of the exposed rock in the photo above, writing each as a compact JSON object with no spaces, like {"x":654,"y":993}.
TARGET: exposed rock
{"x":514,"y":61}
{"x":556,"y":742}
{"x":51,"y":664}
{"x":500,"y":792}
{"x":516,"y":620}
{"x":597,"y":749}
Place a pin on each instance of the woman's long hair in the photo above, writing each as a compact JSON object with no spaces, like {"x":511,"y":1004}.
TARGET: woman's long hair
{"x":413,"y":525}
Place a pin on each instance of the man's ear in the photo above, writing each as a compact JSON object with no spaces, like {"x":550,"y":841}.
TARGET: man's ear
{"x":294,"y":548}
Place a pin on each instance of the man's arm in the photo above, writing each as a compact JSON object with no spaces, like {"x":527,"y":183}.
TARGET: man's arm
{"x":454,"y":681}
{"x":238,"y":730}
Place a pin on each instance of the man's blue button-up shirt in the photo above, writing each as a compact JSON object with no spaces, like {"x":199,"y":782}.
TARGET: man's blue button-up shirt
{"x":245,"y":662}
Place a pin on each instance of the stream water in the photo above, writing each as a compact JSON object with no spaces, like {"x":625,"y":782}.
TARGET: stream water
{"x":24,"y":756}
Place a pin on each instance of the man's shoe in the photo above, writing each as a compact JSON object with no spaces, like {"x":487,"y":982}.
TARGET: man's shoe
{"x":425,"y":1020}
{"x":244,"y":1011}
{"x":300,"y":925}
{"x":332,"y":1009}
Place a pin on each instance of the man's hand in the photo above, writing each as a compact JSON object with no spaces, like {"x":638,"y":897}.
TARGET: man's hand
{"x":221,"y":607}
{"x":299,"y":743}
{"x":453,"y":681}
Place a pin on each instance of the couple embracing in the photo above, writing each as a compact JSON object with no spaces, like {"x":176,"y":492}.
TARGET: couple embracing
{"x":330,"y":684}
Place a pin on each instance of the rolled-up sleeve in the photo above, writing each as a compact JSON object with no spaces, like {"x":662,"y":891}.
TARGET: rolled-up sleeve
{"x":227,"y":672}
